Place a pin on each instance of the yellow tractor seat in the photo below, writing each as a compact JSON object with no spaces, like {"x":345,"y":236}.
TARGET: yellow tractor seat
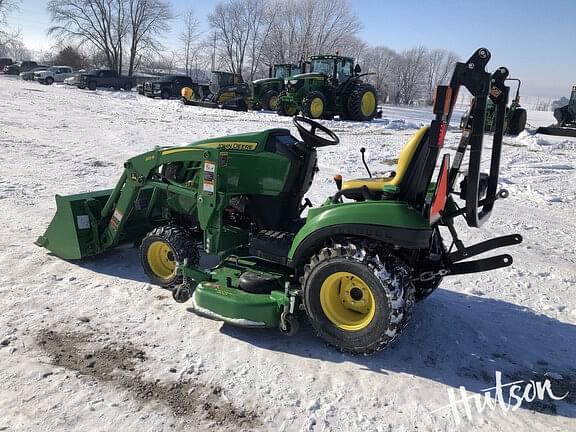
{"x":376,"y":184}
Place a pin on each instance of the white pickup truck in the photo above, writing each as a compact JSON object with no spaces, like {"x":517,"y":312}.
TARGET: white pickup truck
{"x":53,"y":74}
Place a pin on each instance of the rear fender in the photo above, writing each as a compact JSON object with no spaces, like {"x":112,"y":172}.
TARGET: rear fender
{"x":392,"y":222}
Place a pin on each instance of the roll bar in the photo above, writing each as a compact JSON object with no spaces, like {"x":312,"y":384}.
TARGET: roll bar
{"x":482,"y":85}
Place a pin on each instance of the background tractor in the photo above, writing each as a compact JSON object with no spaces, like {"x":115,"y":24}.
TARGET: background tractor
{"x":332,"y":87}
{"x":566,"y":117}
{"x":225,"y":90}
{"x":264,"y":92}
{"x":354,"y":265}
{"x":514,"y":121}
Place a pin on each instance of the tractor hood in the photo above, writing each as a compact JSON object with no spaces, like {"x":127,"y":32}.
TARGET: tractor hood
{"x":309,"y":75}
{"x":251,"y":141}
{"x":266,"y":80}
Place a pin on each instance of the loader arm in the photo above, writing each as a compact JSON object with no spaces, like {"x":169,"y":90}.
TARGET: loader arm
{"x":90,"y":223}
{"x":138,"y":173}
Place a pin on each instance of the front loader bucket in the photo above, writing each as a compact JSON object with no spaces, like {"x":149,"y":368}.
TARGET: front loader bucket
{"x":73,"y":232}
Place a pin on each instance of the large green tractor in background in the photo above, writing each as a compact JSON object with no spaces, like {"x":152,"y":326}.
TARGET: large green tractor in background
{"x":514,"y":121}
{"x":354,"y":266}
{"x":225,"y":90}
{"x":265,"y":91}
{"x":332,"y":87}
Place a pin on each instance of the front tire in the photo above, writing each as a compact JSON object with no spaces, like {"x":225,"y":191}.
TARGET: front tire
{"x":354,"y":300}
{"x":49,"y":80}
{"x":270,"y":100}
{"x":517,"y":122}
{"x":92,"y":85}
{"x":163,"y":248}
{"x":314,"y":105}
{"x":288,"y":110}
{"x":165,"y":94}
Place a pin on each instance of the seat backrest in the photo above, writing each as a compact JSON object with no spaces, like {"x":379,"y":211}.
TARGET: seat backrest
{"x":407,"y":154}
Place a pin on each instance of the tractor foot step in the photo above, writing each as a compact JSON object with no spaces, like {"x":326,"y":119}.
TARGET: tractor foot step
{"x":272,"y":245}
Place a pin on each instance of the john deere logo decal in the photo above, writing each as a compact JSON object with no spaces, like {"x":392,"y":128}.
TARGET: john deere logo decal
{"x":231,"y":145}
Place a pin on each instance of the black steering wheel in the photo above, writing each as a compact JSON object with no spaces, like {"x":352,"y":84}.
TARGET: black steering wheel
{"x":309,"y":135}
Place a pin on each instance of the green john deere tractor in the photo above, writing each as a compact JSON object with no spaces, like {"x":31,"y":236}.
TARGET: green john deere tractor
{"x":264,"y":92}
{"x":225,"y":90}
{"x":514,"y":121}
{"x":354,"y":266}
{"x":332,"y":87}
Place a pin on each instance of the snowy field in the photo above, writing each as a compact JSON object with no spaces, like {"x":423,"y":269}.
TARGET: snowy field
{"x":91,"y":346}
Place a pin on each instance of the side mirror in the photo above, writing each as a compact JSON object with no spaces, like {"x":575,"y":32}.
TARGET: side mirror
{"x":357,"y":69}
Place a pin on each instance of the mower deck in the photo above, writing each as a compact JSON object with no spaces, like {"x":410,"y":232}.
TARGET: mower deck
{"x":225,"y":293}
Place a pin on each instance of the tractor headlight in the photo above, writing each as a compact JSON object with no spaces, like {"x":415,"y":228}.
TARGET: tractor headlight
{"x":294,"y":81}
{"x":285,"y":81}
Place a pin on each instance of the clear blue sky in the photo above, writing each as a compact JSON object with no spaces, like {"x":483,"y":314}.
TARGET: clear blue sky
{"x":535,"y":39}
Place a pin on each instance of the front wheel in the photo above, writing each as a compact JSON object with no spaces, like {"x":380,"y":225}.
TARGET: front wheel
{"x":517,"y":122}
{"x":356,"y":300}
{"x":163,"y":248}
{"x":314,"y":105}
{"x":270,"y":100}
{"x":49,"y":80}
{"x":287,"y":109}
{"x":92,"y":85}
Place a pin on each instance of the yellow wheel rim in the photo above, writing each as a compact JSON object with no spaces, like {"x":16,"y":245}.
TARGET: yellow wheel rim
{"x":187,"y":93}
{"x":316,"y":107}
{"x":273,"y":103}
{"x":291,"y":110}
{"x":368,"y":104}
{"x":161,"y":261}
{"x":347,"y":301}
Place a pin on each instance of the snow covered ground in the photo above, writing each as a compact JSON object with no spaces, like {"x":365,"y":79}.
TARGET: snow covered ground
{"x":91,"y":346}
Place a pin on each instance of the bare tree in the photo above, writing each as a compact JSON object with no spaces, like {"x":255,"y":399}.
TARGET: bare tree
{"x":229,"y":23}
{"x":381,"y":61}
{"x":189,"y":39}
{"x":147,"y":20}
{"x":437,"y":68}
{"x":408,"y":75}
{"x":9,"y":40}
{"x":307,"y":27}
{"x":100,"y":23}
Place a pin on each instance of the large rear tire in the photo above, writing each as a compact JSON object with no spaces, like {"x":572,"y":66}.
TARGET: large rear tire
{"x":517,"y":122}
{"x":356,"y":300}
{"x":363,"y":102}
{"x":162,"y":248}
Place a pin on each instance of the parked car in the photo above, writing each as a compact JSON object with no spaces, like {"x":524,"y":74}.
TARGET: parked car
{"x":167,"y":86}
{"x":29,"y":75}
{"x":53,"y":74}
{"x":5,"y":61}
{"x":74,"y":80}
{"x":105,"y":78}
{"x":22,"y":66}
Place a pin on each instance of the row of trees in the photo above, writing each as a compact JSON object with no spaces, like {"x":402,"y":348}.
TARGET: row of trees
{"x":248,"y":35}
{"x":242,"y":36}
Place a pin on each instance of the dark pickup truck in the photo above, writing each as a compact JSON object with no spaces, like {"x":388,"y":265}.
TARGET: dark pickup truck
{"x":167,"y":87}
{"x":105,"y":78}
